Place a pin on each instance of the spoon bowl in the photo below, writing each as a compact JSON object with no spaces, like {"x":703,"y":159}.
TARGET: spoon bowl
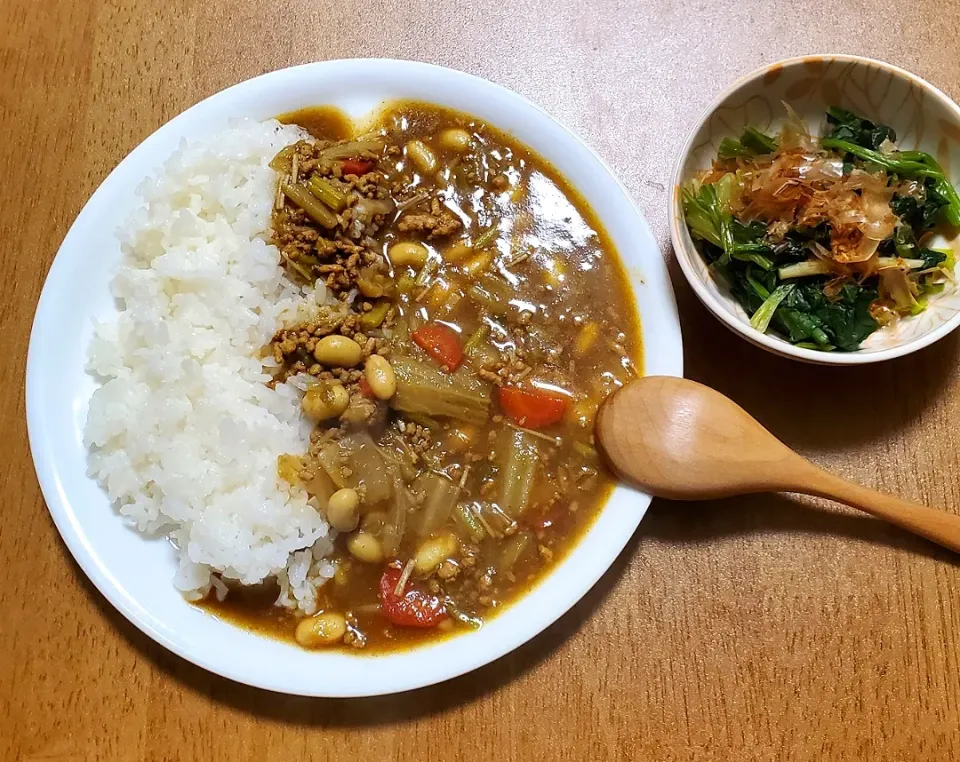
{"x":681,"y":440}
{"x":678,"y":439}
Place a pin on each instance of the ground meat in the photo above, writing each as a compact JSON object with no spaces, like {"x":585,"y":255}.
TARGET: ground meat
{"x":354,"y":637}
{"x":418,"y":438}
{"x":438,"y":223}
{"x":372,"y":185}
{"x":489,"y":375}
{"x":310,"y":160}
{"x":340,"y":248}
{"x":301,"y":237}
{"x":449,"y":569}
{"x":360,"y":410}
{"x":340,"y":256}
{"x":293,"y":346}
{"x":511,"y":367}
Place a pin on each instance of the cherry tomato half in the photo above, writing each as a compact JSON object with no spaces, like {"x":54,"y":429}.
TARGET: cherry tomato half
{"x":414,"y":608}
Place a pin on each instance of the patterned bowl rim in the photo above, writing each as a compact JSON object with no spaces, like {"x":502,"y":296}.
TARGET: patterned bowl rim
{"x":714,"y":304}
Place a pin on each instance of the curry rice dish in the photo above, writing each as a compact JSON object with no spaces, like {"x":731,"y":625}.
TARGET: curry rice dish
{"x":446,"y":317}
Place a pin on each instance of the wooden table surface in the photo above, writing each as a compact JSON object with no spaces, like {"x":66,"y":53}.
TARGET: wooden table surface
{"x":747,"y":629}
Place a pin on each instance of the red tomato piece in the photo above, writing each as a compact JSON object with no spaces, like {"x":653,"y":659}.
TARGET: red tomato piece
{"x":533,"y":408}
{"x":356,"y":166}
{"x":414,"y":608}
{"x":440,"y":342}
{"x":365,"y":389}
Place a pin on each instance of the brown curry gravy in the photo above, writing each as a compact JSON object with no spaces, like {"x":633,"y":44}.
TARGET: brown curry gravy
{"x":252,"y":607}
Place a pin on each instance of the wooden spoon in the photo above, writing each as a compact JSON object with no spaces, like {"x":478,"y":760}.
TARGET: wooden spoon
{"x":681,"y":440}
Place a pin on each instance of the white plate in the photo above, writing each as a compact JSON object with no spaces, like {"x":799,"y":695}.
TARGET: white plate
{"x":135,"y":574}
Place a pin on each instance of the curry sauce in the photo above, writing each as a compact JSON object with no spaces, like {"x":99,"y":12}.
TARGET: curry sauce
{"x":492,"y":315}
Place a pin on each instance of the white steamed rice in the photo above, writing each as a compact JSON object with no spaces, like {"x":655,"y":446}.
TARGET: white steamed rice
{"x":183,"y":433}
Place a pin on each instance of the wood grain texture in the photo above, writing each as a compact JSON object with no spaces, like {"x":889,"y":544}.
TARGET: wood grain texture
{"x":746,"y":629}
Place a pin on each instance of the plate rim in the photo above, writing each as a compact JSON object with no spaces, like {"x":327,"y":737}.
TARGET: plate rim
{"x":70,"y":529}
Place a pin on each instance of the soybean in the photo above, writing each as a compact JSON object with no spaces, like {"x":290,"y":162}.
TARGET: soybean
{"x":325,"y":401}
{"x":324,"y":629}
{"x":456,"y":139}
{"x":408,"y":253}
{"x":422,"y":157}
{"x":380,"y":377}
{"x":433,"y":551}
{"x":343,"y":509}
{"x":457,"y":252}
{"x":365,"y":547}
{"x":338,"y":351}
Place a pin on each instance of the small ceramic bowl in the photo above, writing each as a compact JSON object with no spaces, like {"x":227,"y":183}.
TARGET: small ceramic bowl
{"x":923,"y":117}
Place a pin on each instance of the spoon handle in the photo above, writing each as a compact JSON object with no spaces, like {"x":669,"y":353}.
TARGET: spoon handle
{"x":939,"y":526}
